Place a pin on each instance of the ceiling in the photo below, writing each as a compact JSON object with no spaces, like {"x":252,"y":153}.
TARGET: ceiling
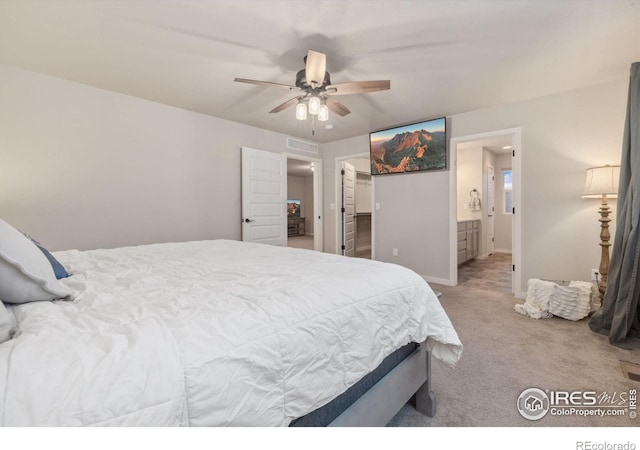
{"x":496,"y":144}
{"x":299,"y":168}
{"x":442,"y":57}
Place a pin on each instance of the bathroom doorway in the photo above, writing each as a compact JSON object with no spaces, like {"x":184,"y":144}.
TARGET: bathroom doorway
{"x":485,"y":227}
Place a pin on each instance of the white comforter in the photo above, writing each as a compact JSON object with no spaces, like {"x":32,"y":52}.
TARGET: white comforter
{"x":210,"y":333}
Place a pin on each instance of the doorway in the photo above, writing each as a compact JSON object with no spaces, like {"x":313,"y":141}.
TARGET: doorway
{"x":484,"y":221}
{"x":304,"y":202}
{"x":355,"y":199}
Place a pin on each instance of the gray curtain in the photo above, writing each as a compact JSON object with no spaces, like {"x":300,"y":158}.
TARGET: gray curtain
{"x":619,"y":317}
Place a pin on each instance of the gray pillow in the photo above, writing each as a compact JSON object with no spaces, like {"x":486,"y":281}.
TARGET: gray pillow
{"x":6,"y":324}
{"x":25,"y":272}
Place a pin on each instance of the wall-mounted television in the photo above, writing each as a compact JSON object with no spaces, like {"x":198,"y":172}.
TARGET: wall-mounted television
{"x":410,"y":148}
{"x":293,"y":208}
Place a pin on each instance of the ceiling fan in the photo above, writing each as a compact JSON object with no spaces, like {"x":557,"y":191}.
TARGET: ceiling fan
{"x":316,"y":91}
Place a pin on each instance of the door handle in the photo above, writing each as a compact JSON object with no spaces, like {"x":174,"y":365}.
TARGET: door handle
{"x":248,"y":220}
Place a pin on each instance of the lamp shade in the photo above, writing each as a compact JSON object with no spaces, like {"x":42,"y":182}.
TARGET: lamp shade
{"x":601,"y":181}
{"x":301,"y":110}
{"x":323,"y":113}
{"x":314,"y":105}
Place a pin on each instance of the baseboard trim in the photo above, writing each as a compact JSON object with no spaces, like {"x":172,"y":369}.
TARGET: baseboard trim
{"x":502,"y":250}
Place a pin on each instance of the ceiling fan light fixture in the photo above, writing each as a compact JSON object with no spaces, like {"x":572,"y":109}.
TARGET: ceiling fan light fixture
{"x":314,"y":105}
{"x":315,"y":91}
{"x":323,"y":113}
{"x":301,"y":110}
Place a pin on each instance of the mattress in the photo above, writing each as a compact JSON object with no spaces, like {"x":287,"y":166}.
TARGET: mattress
{"x":326,"y":414}
{"x":210,"y":333}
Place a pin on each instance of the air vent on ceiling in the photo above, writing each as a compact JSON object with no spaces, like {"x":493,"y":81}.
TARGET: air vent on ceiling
{"x":303,"y":146}
{"x":630,"y":370}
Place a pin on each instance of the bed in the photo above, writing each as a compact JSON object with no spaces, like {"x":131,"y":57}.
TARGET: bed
{"x":221,"y":333}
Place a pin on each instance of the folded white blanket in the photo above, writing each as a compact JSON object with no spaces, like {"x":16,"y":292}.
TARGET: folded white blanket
{"x":572,"y":302}
{"x":536,"y":304}
{"x":546,"y":299}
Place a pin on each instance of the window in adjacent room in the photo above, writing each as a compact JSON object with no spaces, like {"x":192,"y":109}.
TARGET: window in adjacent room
{"x":507,"y":196}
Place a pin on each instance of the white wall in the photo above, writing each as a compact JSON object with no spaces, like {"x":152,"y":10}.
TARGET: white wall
{"x":85,"y":168}
{"x":562,"y":135}
{"x":363,"y":188}
{"x":409,"y":220}
{"x":469,"y":178}
{"x":361,"y":164}
{"x":363,"y":193}
{"x":82,"y":167}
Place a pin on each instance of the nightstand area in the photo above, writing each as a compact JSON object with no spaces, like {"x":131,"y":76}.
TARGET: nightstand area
{"x":295,"y":226}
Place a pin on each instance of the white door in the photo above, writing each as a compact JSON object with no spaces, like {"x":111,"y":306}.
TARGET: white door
{"x":491,"y":210}
{"x":348,"y":209}
{"x":264,"y":188}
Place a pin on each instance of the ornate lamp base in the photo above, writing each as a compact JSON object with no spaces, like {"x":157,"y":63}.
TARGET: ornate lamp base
{"x":605,"y":236}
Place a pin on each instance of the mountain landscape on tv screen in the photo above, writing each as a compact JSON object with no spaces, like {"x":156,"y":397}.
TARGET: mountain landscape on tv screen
{"x":293,"y":208}
{"x":409,"y":152}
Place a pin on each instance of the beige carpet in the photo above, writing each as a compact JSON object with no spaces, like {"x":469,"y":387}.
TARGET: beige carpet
{"x":505,"y":353}
{"x":305,"y":241}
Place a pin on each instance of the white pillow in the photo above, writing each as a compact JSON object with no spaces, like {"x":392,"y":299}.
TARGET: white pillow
{"x":6,"y":323}
{"x":25,"y":273}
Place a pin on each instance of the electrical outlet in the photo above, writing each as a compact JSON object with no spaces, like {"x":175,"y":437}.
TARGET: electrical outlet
{"x":595,"y":275}
{"x":395,"y":252}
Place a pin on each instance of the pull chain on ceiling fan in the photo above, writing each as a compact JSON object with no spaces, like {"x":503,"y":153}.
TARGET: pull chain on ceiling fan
{"x":316,"y":91}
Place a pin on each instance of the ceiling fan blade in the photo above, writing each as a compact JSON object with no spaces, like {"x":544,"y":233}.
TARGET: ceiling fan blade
{"x":359,"y":87}
{"x":285,"y":105}
{"x":337,"y":107}
{"x":265,"y":83}
{"x":315,"y":68}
